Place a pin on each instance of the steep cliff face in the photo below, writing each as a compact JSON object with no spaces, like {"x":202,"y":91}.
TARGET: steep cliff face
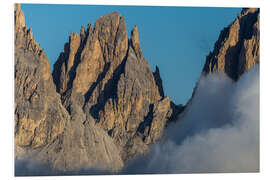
{"x":101,"y":106}
{"x":105,"y":74}
{"x":39,"y":114}
{"x":238,"y":46}
{"x":236,"y":50}
{"x":43,"y":126}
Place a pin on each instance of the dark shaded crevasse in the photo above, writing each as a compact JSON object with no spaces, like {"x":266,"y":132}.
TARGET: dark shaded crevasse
{"x":233,"y":53}
{"x":63,"y":57}
{"x":146,"y":122}
{"x":77,"y":60}
{"x":110,"y":89}
{"x":158,"y":82}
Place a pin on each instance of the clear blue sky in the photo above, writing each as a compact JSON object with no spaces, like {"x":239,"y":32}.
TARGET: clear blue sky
{"x":177,"y":39}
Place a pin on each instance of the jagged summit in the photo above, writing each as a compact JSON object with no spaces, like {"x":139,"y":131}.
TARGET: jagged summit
{"x":135,"y":41}
{"x":107,"y":76}
{"x":245,"y":11}
{"x":19,"y":17}
{"x":238,"y":46}
{"x":39,"y":115}
{"x":236,"y":50}
{"x":24,"y":36}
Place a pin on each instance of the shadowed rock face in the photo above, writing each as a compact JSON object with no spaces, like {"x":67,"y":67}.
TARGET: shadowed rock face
{"x":101,"y":106}
{"x":238,"y":46}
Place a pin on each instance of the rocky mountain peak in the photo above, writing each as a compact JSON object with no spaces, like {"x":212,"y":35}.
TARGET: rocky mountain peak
{"x":19,"y":17}
{"x":24,"y":36}
{"x":246,"y":11}
{"x":112,"y":83}
{"x":158,"y":81}
{"x":39,"y":115}
{"x":135,"y":42}
{"x":237,"y":48}
{"x":45,"y":129}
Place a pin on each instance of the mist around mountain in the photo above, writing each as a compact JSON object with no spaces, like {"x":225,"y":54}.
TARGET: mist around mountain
{"x":103,"y":111}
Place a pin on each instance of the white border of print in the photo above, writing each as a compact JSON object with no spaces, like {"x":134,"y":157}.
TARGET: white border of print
{"x":7,"y":81}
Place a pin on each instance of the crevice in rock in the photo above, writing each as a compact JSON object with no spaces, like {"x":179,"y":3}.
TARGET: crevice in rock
{"x":158,"y":82}
{"x":101,"y":76}
{"x":233,"y":53}
{"x":62,"y":59}
{"x":110,"y":89}
{"x":77,"y":60}
{"x":147,"y":122}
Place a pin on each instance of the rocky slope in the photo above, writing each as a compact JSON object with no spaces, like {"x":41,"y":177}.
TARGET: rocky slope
{"x":238,"y":46}
{"x":101,"y":106}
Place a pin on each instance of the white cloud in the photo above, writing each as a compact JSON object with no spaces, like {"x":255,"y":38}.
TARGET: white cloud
{"x":219,"y":132}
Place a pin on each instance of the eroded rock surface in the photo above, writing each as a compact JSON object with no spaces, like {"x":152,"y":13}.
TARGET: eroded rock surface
{"x":236,"y":50}
{"x":44,"y":128}
{"x":39,"y":114}
{"x":113,"y":85}
{"x":238,"y":46}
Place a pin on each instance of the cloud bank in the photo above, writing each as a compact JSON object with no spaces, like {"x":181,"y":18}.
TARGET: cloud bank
{"x":219,"y":132}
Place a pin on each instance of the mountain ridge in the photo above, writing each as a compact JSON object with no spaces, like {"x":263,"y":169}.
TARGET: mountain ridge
{"x":102,"y":105}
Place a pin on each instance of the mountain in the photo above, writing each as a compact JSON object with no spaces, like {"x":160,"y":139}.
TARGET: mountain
{"x":238,"y":46}
{"x":39,"y":114}
{"x":101,"y":106}
{"x":236,"y":50}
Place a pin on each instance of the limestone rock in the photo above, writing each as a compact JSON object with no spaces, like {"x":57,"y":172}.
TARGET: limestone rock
{"x":158,"y":81}
{"x":237,"y":48}
{"x":135,"y":42}
{"x":44,"y":128}
{"x":19,"y":17}
{"x":100,"y":52}
{"x":39,"y":114}
{"x":235,"y":51}
{"x":113,"y":84}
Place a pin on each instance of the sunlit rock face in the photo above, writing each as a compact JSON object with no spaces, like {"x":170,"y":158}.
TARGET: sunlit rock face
{"x":39,"y":114}
{"x":105,"y":74}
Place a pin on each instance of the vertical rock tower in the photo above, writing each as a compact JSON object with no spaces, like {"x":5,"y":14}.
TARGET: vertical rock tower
{"x":238,"y":46}
{"x":103,"y":73}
